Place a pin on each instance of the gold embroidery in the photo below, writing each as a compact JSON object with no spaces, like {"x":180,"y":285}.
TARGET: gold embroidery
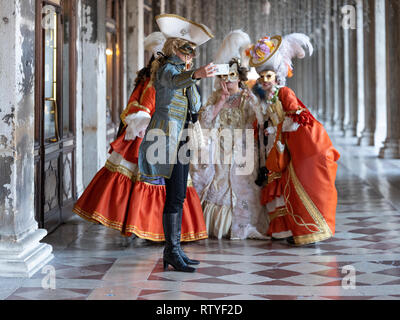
{"x":175,"y":109}
{"x":178,"y":104}
{"x":96,"y":217}
{"x":149,"y":85}
{"x":135,"y":104}
{"x":277,"y":115}
{"x":121,"y":169}
{"x":185,"y":79}
{"x":323,"y":231}
{"x":281,"y":212}
{"x":177,"y":117}
{"x":274,"y":176}
{"x":295,"y":111}
{"x":181,"y":98}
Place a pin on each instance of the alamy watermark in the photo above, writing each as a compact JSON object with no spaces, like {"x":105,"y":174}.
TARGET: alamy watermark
{"x":349,"y":20}
{"x":49,"y":281}
{"x":349,"y":280}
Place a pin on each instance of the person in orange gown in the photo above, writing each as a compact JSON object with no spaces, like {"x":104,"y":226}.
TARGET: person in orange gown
{"x":118,"y":197}
{"x":299,"y":189}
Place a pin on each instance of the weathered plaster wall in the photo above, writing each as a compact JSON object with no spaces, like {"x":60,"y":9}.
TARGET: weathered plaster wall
{"x":94,"y":121}
{"x":17,"y":117}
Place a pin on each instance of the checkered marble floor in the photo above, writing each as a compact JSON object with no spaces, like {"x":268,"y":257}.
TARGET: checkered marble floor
{"x":361,"y":262}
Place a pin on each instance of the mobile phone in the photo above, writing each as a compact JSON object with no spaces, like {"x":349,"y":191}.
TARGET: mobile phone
{"x":222,"y":69}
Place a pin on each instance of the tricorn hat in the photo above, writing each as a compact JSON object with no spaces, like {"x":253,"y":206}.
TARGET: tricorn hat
{"x":174,"y":26}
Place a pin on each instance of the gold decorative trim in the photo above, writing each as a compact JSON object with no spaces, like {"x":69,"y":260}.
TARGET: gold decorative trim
{"x":280,"y":212}
{"x":184,"y":79}
{"x":149,"y":85}
{"x":177,"y":117}
{"x":176,"y":109}
{"x":274,"y":176}
{"x":135,"y":104}
{"x":324,"y":231}
{"x":295,"y":111}
{"x":96,"y":217}
{"x":121,"y":169}
{"x":202,"y":27}
{"x":181,"y":98}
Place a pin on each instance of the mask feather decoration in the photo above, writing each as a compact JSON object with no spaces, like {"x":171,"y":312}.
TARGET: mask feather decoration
{"x":293,"y":47}
{"x":234,"y":45}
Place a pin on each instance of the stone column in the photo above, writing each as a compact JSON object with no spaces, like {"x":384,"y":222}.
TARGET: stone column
{"x":124,"y":53}
{"x":21,"y":253}
{"x":351,"y":125}
{"x":370,"y":75}
{"x":360,"y":68}
{"x":79,"y":161}
{"x":135,"y":38}
{"x":380,"y":63}
{"x":93,"y":87}
{"x":335,"y":123}
{"x":346,"y":82}
{"x":328,"y":66}
{"x":341,"y":72}
{"x":391,"y":147}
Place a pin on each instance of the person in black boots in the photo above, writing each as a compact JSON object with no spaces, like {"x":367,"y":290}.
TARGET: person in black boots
{"x":177,"y":102}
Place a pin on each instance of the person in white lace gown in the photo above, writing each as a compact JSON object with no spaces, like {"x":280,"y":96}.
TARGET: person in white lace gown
{"x":231,"y":199}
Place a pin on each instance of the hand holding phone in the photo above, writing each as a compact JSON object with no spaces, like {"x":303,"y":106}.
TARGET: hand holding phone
{"x":222,"y":69}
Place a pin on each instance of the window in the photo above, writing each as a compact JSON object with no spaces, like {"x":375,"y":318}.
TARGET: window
{"x":54,"y":111}
{"x":114,"y":63}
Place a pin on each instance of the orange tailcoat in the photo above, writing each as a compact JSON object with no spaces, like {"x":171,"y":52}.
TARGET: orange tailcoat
{"x":307,"y":185}
{"x":117,"y":198}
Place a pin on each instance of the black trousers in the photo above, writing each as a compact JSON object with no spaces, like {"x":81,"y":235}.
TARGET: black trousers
{"x":176,"y":186}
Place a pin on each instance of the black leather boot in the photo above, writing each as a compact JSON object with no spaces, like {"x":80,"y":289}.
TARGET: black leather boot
{"x":183,"y":255}
{"x":171,"y":250}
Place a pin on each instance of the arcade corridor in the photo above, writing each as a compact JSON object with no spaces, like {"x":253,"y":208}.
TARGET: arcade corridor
{"x":93,"y":262}
{"x":67,"y":69}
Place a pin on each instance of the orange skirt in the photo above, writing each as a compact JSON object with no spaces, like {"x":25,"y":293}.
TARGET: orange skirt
{"x":116,"y":199}
{"x":304,"y":198}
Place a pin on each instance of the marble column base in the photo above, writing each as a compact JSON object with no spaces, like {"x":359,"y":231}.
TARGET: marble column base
{"x":350,"y":132}
{"x":367,"y":139}
{"x":390,"y":149}
{"x":23,"y":258}
{"x":338,"y":126}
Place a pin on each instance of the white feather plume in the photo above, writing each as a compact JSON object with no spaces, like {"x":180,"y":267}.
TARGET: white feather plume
{"x":154,"y":42}
{"x":233,"y":46}
{"x":294,"y":45}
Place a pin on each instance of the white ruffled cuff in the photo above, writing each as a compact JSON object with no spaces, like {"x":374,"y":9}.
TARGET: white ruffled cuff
{"x":289,"y":125}
{"x":136,"y":123}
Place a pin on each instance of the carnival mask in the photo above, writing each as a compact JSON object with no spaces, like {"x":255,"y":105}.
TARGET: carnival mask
{"x":187,"y":49}
{"x":233,"y":75}
{"x":267,"y":76}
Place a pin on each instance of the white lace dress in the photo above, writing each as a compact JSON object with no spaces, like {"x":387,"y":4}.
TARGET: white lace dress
{"x":228,"y":193}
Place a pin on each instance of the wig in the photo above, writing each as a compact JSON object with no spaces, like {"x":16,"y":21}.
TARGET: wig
{"x":171,"y":47}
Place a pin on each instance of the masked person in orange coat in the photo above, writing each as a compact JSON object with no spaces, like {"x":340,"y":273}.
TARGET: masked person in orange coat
{"x":118,"y":196}
{"x":300,"y":168}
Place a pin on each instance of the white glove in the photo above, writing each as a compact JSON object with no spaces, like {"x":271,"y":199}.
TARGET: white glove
{"x":137,"y":124}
